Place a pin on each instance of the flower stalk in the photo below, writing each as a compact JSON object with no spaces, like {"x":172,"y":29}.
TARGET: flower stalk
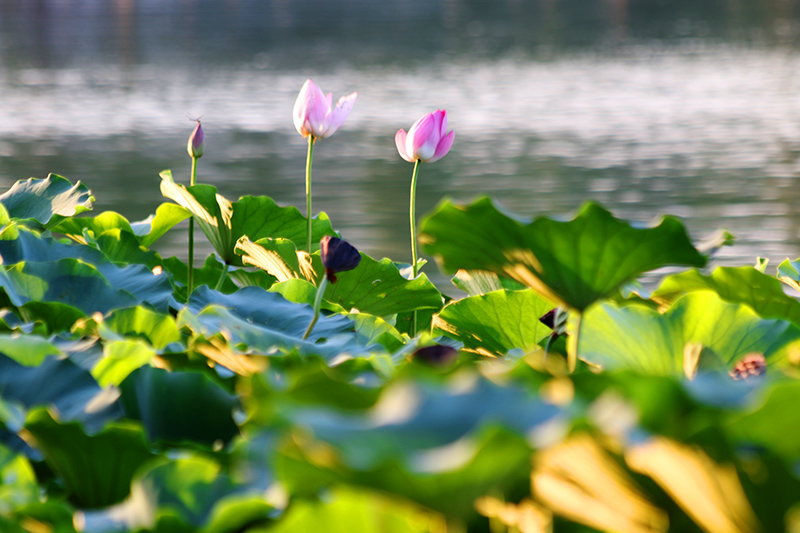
{"x":323,"y":284}
{"x":309,"y":158}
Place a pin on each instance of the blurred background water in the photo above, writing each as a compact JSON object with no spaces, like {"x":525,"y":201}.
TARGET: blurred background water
{"x":687,"y":107}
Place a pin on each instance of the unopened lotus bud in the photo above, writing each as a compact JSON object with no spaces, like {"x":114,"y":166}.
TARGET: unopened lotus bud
{"x":438,"y":354}
{"x":195,"y":145}
{"x":337,"y":256}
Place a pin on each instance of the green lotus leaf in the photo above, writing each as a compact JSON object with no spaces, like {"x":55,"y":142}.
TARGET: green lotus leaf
{"x":27,"y":350}
{"x":54,"y":316}
{"x":767,"y":423}
{"x":744,"y":285}
{"x":179,"y":406}
{"x":18,"y":486}
{"x":641,"y":339}
{"x":97,"y":470}
{"x":46,"y":201}
{"x":122,"y":247}
{"x":374,"y":287}
{"x":258,"y":217}
{"x":496,"y":322}
{"x":208,"y":274}
{"x":158,"y":329}
{"x":155,"y":226}
{"x":77,"y":228}
{"x":356,"y":511}
{"x":575,"y":263}
{"x":120,"y":358}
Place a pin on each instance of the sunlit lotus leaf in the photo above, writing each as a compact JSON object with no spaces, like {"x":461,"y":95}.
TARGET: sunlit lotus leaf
{"x":374,"y":329}
{"x":744,"y":285}
{"x":576,"y":262}
{"x":475,"y":282}
{"x":158,"y":329}
{"x":78,"y":227}
{"x":27,"y":350}
{"x":179,"y":406}
{"x":580,"y":480}
{"x":257,"y":217}
{"x":374,"y":287}
{"x":46,"y":200}
{"x":496,"y":322}
{"x":767,"y":424}
{"x":155,"y":226}
{"x":638,"y":338}
{"x":18,"y":486}
{"x":789,"y":273}
{"x":62,"y":384}
{"x":709,"y":492}
{"x":96,"y":469}
{"x":120,"y":358}
{"x":356,"y":511}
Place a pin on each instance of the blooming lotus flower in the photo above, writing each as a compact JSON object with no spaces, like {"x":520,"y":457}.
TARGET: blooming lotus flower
{"x":195,"y":145}
{"x":426,"y":140}
{"x":337,"y":256}
{"x":313,"y":114}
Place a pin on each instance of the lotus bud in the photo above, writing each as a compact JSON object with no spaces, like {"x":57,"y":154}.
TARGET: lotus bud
{"x":313,"y":113}
{"x":438,"y":354}
{"x":337,"y":256}
{"x":195,"y":145}
{"x":427,"y":139}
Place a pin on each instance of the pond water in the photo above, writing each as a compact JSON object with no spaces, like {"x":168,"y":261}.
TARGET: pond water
{"x":646,"y":107}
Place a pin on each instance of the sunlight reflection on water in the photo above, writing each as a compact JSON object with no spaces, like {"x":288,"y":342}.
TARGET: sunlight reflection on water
{"x":709,"y":133}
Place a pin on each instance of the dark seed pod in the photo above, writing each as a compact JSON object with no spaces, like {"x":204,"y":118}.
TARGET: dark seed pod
{"x":437,"y":354}
{"x":337,"y":256}
{"x":752,"y":364}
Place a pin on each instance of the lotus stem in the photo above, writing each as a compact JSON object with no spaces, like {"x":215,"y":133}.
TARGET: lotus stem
{"x":190,"y":275}
{"x":572,"y":344}
{"x":222,"y":278}
{"x":413,"y":217}
{"x":309,"y":157}
{"x":323,"y":284}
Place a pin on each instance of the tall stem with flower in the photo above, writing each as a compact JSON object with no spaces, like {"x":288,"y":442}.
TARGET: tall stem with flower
{"x":195,"y":149}
{"x":427,"y":140}
{"x":314,"y":117}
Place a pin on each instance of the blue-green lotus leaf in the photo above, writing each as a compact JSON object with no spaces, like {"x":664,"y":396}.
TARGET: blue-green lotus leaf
{"x":62,"y":384}
{"x":41,"y":200}
{"x":97,"y":469}
{"x":496,"y":322}
{"x":641,"y":339}
{"x":29,"y":246}
{"x":179,"y":406}
{"x":575,"y":263}
{"x":208,"y":274}
{"x":270,"y":311}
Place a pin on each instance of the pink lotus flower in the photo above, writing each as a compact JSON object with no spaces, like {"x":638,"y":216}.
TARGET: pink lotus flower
{"x":313,"y":114}
{"x":426,"y":140}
